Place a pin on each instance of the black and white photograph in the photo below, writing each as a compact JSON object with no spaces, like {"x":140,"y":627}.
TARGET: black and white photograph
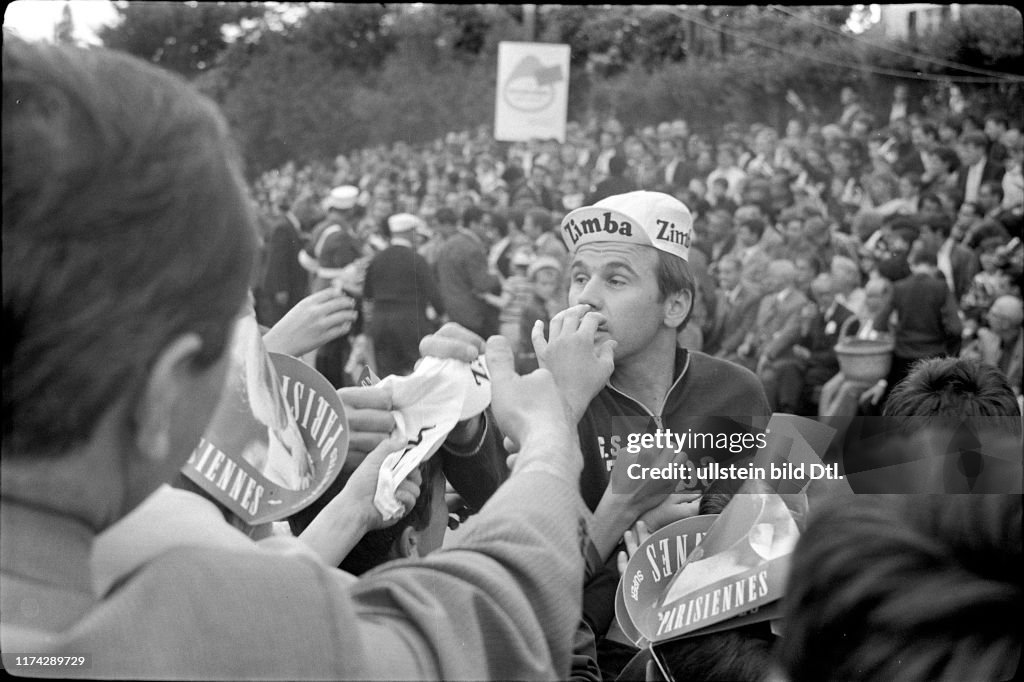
{"x":326,"y":326}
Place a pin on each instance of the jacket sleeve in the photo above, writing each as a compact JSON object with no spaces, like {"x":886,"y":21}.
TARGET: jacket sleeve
{"x":784,"y":339}
{"x":952,"y":325}
{"x":476,"y":472}
{"x":426,"y":284}
{"x":502,"y":603}
{"x":474,"y":264}
{"x":279,"y":262}
{"x":731,"y":342}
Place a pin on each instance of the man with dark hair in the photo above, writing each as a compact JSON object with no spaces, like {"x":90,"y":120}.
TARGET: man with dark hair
{"x":462,"y":275}
{"x":615,"y":183}
{"x":751,"y":253}
{"x":977,"y":168}
{"x":996,"y":125}
{"x":735,"y":309}
{"x":906,"y":587}
{"x":128,"y":247}
{"x":957,"y":263}
{"x":285,"y":281}
{"x":927,"y":323}
{"x":990,"y":198}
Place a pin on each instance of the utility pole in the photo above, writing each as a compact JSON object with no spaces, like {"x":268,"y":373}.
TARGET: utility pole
{"x":530,"y":22}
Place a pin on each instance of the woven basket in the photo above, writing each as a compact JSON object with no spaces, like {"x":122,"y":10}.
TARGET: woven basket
{"x":866,"y":360}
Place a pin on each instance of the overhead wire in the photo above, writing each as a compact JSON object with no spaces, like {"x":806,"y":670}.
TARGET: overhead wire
{"x":910,"y":75}
{"x":920,"y":57}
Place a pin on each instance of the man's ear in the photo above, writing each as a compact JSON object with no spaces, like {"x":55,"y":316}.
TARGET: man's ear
{"x":677,"y":307}
{"x":171,"y":380}
{"x":408,"y":543}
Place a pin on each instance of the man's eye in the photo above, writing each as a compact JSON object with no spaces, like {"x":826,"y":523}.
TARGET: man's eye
{"x":579,"y":279}
{"x":617,"y":281}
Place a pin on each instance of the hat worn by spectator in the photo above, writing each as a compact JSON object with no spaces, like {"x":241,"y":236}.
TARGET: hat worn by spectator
{"x":341,"y":198}
{"x":641,"y":217}
{"x":521,"y":258}
{"x":401,"y":223}
{"x":543,"y":263}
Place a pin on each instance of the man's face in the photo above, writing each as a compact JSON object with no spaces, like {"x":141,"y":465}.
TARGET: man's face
{"x":824,"y":294}
{"x":965,"y":217}
{"x":546,"y":283}
{"x":971,"y":154}
{"x":993,"y":130}
{"x":874,"y":298}
{"x":746,"y":236}
{"x":987,"y":198}
{"x":619,"y":281}
{"x":794,"y":230}
{"x":718,"y":227}
{"x":728,"y":275}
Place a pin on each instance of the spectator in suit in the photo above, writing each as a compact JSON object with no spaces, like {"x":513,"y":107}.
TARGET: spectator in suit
{"x":816,"y":350}
{"x":941,"y":170}
{"x":462,"y":276}
{"x":977,"y":168}
{"x":399,"y":287}
{"x":750,"y":252}
{"x":996,"y":126}
{"x":990,"y":198}
{"x":777,"y":327}
{"x":720,"y":236}
{"x":735,"y":309}
{"x":957,"y":263}
{"x":285,"y":281}
{"x":675,"y":169}
{"x":615,"y":183}
{"x":1013,"y":179}
{"x":726,"y":167}
{"x":840,"y":395}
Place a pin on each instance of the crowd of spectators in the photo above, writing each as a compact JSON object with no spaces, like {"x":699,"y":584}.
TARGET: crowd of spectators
{"x":129,"y":252}
{"x":792,"y":228}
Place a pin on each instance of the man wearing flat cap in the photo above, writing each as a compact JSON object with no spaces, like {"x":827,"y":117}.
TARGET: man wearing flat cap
{"x":399,"y":287}
{"x":329,"y":256}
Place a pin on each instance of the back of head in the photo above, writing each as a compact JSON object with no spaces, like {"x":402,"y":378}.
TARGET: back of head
{"x":125,"y":225}
{"x":739,"y":655}
{"x":949,"y":388}
{"x":906,"y":587}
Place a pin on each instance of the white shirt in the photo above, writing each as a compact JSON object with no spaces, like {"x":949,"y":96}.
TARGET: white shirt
{"x":945,"y":262}
{"x":973,"y":181}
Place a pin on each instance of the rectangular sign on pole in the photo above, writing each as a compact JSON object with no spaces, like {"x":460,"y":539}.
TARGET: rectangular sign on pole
{"x":532,"y":98}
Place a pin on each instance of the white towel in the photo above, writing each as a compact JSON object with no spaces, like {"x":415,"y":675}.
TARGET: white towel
{"x":427,"y":405}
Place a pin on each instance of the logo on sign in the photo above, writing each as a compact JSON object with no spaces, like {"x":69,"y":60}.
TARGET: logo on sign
{"x":531,"y":85}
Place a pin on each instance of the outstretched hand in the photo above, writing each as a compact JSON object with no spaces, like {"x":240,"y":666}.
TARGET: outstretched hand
{"x":318,"y":318}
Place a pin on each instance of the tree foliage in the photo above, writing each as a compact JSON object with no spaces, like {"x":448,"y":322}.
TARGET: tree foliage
{"x":307,"y":81}
{"x":182,"y":37}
